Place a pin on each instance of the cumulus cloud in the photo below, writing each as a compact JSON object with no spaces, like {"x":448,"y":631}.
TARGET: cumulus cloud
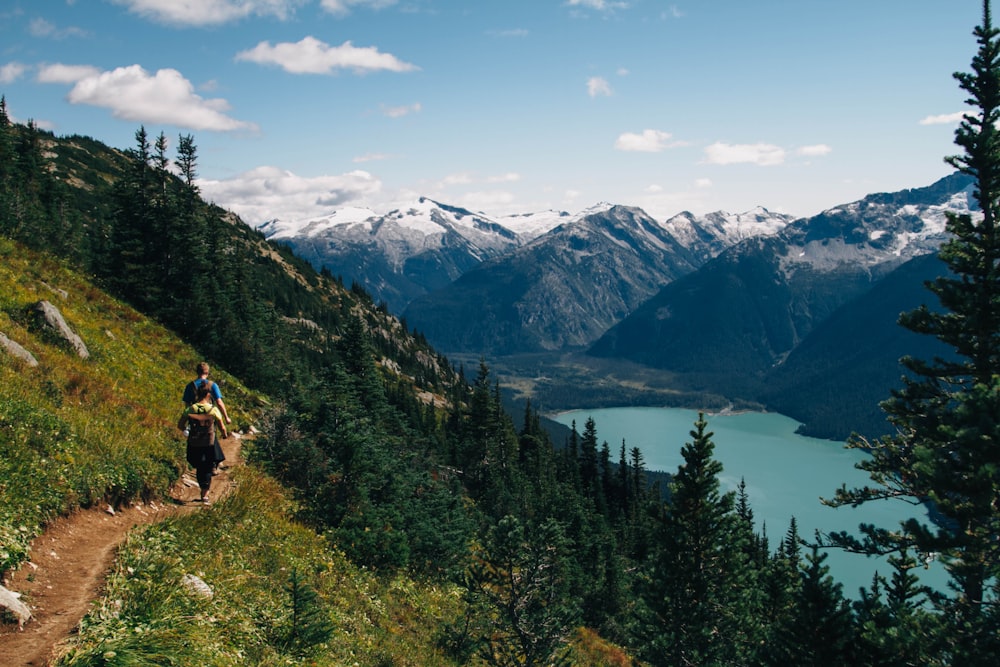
{"x":944,"y":119}
{"x":209,"y":12}
{"x":59,"y":73}
{"x":764,"y":155}
{"x":311,"y":56}
{"x":598,"y":86}
{"x":268,"y":193}
{"x":399,"y":112}
{"x":343,"y":7}
{"x":132,"y":94}
{"x":816,"y":150}
{"x":650,"y":141}
{"x":11,"y":72}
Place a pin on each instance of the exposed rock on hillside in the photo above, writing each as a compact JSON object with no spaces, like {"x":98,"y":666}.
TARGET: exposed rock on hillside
{"x":51,"y":319}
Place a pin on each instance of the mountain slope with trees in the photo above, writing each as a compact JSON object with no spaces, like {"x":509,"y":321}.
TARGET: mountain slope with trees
{"x":386,"y":487}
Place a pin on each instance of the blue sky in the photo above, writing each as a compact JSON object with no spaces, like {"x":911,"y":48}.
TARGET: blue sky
{"x":298,"y":107}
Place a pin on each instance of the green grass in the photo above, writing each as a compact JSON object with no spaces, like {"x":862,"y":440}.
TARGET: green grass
{"x":245,"y":550}
{"x":75,"y":432}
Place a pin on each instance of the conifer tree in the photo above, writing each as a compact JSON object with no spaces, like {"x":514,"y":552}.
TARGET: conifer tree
{"x":946,"y":450}
{"x":818,"y":633}
{"x":519,"y":581}
{"x":697,"y":613}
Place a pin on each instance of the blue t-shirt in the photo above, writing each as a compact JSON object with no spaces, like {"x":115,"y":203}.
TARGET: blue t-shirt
{"x":190,"y":391}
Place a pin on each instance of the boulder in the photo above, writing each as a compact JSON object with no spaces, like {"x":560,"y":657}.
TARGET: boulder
{"x":16,"y":351}
{"x":49,"y":317}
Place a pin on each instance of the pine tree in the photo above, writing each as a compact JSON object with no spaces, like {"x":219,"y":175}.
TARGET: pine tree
{"x":818,"y":632}
{"x":308,"y":623}
{"x":947,"y":414}
{"x":694,"y":596}
{"x":519,"y":581}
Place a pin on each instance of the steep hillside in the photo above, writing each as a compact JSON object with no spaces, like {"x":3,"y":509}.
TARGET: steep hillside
{"x":722,"y":328}
{"x":566,"y":287}
{"x":849,"y":363}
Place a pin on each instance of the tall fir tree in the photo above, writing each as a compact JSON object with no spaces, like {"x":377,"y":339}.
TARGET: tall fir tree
{"x":946,"y":450}
{"x":695,"y":594}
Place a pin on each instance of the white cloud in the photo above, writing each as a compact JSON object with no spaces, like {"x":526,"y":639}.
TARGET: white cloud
{"x":650,"y":141}
{"x":461,"y":178}
{"x":703,"y":182}
{"x":59,"y":73}
{"x":39,"y":27}
{"x":342,"y":7}
{"x":512,"y":32}
{"x":311,"y":56}
{"x":371,"y":157}
{"x":209,"y":12}
{"x":267,"y":192}
{"x":133,"y":94}
{"x":511,"y":177}
{"x":487,"y":200}
{"x":764,"y":155}
{"x":598,"y":86}
{"x":944,"y":119}
{"x":816,"y":150}
{"x":399,"y":112}
{"x":11,"y":72}
{"x":599,"y":5}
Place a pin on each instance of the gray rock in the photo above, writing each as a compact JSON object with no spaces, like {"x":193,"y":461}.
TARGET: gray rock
{"x":16,"y":351}
{"x":197,"y":586}
{"x":50,"y":317}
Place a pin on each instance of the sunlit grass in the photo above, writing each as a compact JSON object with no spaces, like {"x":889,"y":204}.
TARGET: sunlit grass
{"x":76,"y":432}
{"x":245,"y":550}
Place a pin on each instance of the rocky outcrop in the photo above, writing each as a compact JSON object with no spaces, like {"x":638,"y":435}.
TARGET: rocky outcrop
{"x":51,"y":320}
{"x":15,"y":350}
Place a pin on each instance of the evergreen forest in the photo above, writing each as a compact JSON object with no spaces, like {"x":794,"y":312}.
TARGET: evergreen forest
{"x":388,"y":488}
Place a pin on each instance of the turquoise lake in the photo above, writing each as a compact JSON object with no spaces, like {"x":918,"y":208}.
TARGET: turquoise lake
{"x":786,"y":474}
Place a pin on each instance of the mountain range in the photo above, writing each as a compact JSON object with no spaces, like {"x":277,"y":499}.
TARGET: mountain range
{"x":726,"y":304}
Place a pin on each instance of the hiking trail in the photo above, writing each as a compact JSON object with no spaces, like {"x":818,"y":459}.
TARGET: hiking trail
{"x":69,"y":561}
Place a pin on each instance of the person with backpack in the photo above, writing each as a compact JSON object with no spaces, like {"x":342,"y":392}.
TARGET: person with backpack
{"x":190,"y":391}
{"x":201,"y":419}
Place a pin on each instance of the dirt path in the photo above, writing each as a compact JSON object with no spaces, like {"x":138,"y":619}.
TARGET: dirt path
{"x":69,"y":562}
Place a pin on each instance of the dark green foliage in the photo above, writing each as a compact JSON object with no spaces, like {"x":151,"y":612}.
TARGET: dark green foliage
{"x":947,"y":413}
{"x":308,"y":622}
{"x":700,"y":576}
{"x":817,"y":631}
{"x":519,"y":578}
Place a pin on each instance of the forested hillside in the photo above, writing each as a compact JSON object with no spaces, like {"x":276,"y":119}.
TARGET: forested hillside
{"x":392,"y":513}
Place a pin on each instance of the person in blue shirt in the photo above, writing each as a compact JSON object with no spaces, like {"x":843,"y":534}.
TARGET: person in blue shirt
{"x":190,"y":397}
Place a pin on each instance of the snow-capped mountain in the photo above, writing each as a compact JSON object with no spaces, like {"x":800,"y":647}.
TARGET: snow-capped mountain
{"x":405,"y":253}
{"x":567,"y":286}
{"x":756,"y":302}
{"x":400,"y":254}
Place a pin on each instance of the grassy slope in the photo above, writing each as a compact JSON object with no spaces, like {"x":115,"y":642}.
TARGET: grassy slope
{"x":76,"y":432}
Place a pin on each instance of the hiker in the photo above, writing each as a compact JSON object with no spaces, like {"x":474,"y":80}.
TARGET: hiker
{"x":201,"y":419}
{"x":203,"y":369}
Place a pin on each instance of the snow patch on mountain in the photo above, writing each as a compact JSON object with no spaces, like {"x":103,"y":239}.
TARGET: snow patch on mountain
{"x":343,"y":217}
{"x":730,"y":228}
